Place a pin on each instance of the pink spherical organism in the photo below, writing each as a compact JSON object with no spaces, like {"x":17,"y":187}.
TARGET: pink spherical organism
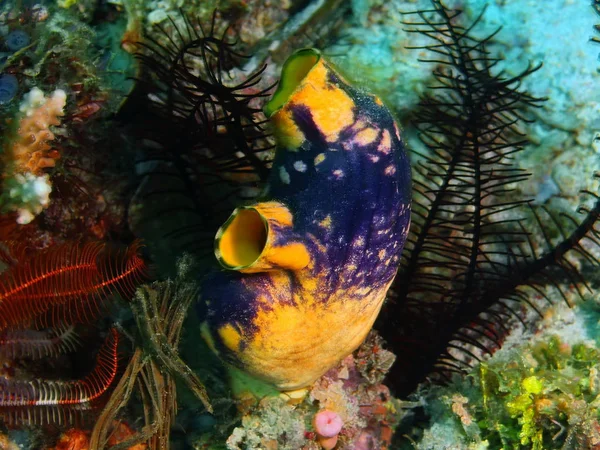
{"x":328,"y":425}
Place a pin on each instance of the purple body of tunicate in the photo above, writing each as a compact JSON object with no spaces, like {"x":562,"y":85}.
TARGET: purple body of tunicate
{"x":16,"y":40}
{"x":9,"y":85}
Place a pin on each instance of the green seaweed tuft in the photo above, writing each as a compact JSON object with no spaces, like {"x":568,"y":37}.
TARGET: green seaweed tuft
{"x":542,"y":396}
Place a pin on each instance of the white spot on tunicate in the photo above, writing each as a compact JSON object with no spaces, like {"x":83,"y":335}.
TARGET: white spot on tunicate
{"x":300,"y":166}
{"x":338,"y":173}
{"x":348,"y":146}
{"x":378,"y":220}
{"x":397,"y":131}
{"x":374,"y":158}
{"x":284,"y":176}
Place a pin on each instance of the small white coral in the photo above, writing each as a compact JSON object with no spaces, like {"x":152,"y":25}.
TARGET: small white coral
{"x":31,"y":193}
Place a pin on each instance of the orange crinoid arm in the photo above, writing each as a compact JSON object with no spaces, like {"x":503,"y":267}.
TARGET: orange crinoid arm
{"x":66,"y":284}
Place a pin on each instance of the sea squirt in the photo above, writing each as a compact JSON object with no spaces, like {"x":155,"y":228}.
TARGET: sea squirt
{"x":308,"y":266}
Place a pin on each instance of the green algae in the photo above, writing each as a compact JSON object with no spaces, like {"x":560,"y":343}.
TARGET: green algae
{"x":546,"y":396}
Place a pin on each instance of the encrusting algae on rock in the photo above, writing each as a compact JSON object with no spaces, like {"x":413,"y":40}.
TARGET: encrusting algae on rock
{"x":310,"y":264}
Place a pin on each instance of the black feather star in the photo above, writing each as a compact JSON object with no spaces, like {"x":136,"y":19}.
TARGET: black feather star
{"x":472,"y":260}
{"x":596,"y":6}
{"x":206,"y":148}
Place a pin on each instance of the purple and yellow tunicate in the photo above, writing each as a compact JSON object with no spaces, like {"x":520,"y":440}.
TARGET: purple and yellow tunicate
{"x":309,"y":266}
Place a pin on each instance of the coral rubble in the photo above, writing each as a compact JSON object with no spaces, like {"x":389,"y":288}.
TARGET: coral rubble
{"x":351,"y":393}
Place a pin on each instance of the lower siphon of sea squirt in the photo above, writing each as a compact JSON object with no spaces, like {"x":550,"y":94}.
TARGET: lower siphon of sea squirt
{"x":309,"y":266}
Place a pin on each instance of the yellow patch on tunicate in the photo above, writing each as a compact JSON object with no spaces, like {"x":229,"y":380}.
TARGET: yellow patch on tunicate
{"x":366,"y":136}
{"x":286,"y":131}
{"x":309,"y":339}
{"x":385,"y":145}
{"x":359,"y":125}
{"x":330,"y":106}
{"x":292,"y":256}
{"x":295,"y":340}
{"x":275,"y":211}
{"x":317,"y":242}
{"x":382,"y":254}
{"x":309,"y":284}
{"x":263,"y":300}
{"x":319,"y":158}
{"x":326,"y":222}
{"x":377,"y":100}
{"x":230,"y":336}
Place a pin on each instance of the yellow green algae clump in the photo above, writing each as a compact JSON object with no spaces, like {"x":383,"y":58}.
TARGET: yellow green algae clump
{"x":546,"y":396}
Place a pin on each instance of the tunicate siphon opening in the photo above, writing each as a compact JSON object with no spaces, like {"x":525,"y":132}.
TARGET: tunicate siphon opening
{"x":294,"y":70}
{"x":241,"y":240}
